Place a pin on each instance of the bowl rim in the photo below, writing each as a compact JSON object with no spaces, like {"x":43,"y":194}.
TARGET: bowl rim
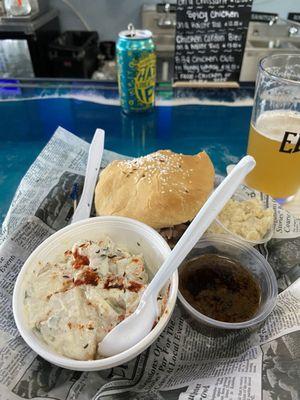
{"x":109,"y":362}
{"x":265,"y":239}
{"x":217,"y":238}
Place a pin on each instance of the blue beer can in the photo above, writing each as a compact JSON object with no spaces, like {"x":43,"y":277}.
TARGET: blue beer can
{"x":136,"y":61}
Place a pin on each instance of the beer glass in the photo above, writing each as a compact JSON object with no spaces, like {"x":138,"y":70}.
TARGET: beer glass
{"x":274,"y":137}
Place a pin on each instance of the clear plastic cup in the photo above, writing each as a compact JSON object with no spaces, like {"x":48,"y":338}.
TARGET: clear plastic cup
{"x":254,"y":262}
{"x":223,"y":230}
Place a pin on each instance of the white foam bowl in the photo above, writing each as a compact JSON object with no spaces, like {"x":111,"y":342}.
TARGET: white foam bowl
{"x":131,"y":234}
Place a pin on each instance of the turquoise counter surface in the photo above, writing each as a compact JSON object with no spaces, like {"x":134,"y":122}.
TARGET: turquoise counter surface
{"x":216,"y":122}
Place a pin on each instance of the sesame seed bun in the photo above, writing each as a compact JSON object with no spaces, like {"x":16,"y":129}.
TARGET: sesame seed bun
{"x":162,"y":189}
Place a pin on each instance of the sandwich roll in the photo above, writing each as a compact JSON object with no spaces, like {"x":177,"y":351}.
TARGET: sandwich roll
{"x":161,"y":189}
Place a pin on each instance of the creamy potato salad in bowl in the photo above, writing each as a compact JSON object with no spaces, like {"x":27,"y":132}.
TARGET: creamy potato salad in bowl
{"x":81,"y":282}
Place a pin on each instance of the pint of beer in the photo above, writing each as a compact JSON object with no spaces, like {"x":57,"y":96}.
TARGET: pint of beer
{"x":274,"y":137}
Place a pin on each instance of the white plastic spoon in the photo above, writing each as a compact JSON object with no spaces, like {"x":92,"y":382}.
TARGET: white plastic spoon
{"x":134,"y":328}
{"x":83,"y":209}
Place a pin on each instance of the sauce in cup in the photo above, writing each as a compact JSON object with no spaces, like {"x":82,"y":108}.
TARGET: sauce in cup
{"x":220,"y":288}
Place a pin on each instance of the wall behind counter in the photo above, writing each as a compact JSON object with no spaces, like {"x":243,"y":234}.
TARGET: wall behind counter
{"x":108,"y":17}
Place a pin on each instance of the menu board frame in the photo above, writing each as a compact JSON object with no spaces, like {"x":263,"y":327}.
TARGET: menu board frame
{"x":210,"y":41}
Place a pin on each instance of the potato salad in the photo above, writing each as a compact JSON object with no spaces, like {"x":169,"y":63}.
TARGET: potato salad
{"x":72,"y":303}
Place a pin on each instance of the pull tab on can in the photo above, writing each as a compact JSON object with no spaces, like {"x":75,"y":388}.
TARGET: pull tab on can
{"x":131,"y":30}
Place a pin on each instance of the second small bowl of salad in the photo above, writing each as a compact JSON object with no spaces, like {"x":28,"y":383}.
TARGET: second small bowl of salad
{"x":245,"y":218}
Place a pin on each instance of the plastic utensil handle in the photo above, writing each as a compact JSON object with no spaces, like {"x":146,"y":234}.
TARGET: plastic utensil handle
{"x":83,"y":209}
{"x":201,"y":222}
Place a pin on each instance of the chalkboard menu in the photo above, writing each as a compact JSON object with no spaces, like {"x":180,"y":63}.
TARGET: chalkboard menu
{"x":210,"y":39}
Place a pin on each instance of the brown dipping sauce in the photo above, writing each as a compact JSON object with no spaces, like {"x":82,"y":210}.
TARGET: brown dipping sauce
{"x":219,"y":288}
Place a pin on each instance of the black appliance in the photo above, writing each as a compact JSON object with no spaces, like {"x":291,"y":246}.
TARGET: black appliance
{"x":74,"y":54}
{"x":24,"y":44}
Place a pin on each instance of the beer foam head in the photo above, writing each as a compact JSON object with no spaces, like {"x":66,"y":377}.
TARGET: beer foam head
{"x":274,"y":124}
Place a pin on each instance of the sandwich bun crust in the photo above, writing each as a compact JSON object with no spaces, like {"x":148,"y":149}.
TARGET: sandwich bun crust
{"x":161,"y":189}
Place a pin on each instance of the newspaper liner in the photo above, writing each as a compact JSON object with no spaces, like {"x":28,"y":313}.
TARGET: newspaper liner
{"x":181,"y":364}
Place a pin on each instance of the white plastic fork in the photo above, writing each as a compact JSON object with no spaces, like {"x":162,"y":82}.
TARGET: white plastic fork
{"x":134,"y":328}
{"x":83,"y":209}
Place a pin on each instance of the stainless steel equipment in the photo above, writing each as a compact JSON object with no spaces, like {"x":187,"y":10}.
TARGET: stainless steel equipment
{"x":161,"y":21}
{"x":167,"y":20}
{"x":279,"y":37}
{"x":2,"y":9}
